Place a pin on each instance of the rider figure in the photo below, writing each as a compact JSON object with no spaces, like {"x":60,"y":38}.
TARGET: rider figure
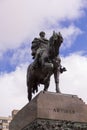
{"x":38,"y":45}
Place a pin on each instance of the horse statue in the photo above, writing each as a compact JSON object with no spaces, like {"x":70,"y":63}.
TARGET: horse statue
{"x":49,"y":63}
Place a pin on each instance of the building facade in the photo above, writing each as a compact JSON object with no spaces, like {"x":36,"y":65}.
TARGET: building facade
{"x":4,"y":121}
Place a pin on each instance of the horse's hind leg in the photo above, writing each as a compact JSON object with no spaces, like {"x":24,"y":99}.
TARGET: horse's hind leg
{"x":29,"y":92}
{"x":56,"y":77}
{"x":46,"y":85}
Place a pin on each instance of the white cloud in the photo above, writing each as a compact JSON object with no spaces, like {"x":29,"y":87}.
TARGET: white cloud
{"x":22,"y":19}
{"x":70,"y":35}
{"x":13,"y":90}
{"x":20,"y":56}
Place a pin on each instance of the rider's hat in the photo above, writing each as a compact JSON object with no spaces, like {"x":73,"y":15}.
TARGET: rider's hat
{"x":41,"y":33}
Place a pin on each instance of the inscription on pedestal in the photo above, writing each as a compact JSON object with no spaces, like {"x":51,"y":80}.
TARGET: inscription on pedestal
{"x":64,"y":110}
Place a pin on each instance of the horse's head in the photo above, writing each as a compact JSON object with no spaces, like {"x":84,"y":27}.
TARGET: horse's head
{"x":57,"y":37}
{"x":60,"y":38}
{"x":55,"y":42}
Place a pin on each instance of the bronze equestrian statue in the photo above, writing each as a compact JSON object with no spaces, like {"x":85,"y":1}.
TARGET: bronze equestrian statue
{"x":46,"y":62}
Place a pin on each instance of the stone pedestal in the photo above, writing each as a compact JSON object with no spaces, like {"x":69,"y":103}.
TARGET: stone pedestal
{"x":52,"y":111}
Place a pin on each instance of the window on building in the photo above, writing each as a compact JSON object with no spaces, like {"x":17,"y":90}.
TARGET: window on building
{"x":0,"y":121}
{"x":0,"y":126}
{"x":5,"y":121}
{"x":7,"y":127}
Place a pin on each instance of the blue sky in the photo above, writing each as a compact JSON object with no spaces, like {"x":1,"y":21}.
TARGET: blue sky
{"x":20,"y":22}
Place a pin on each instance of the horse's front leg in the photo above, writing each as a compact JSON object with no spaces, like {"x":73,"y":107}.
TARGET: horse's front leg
{"x":56,"y":78}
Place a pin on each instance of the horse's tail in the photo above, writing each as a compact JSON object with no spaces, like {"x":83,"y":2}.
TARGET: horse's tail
{"x":27,"y":76}
{"x":29,"y":93}
{"x":32,"y":85}
{"x":29,"y":87}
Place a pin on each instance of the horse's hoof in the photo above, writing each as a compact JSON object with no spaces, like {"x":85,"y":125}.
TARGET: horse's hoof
{"x":57,"y":91}
{"x":43,"y":91}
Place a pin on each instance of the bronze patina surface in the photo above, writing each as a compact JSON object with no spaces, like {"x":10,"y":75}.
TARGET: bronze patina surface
{"x":46,"y":62}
